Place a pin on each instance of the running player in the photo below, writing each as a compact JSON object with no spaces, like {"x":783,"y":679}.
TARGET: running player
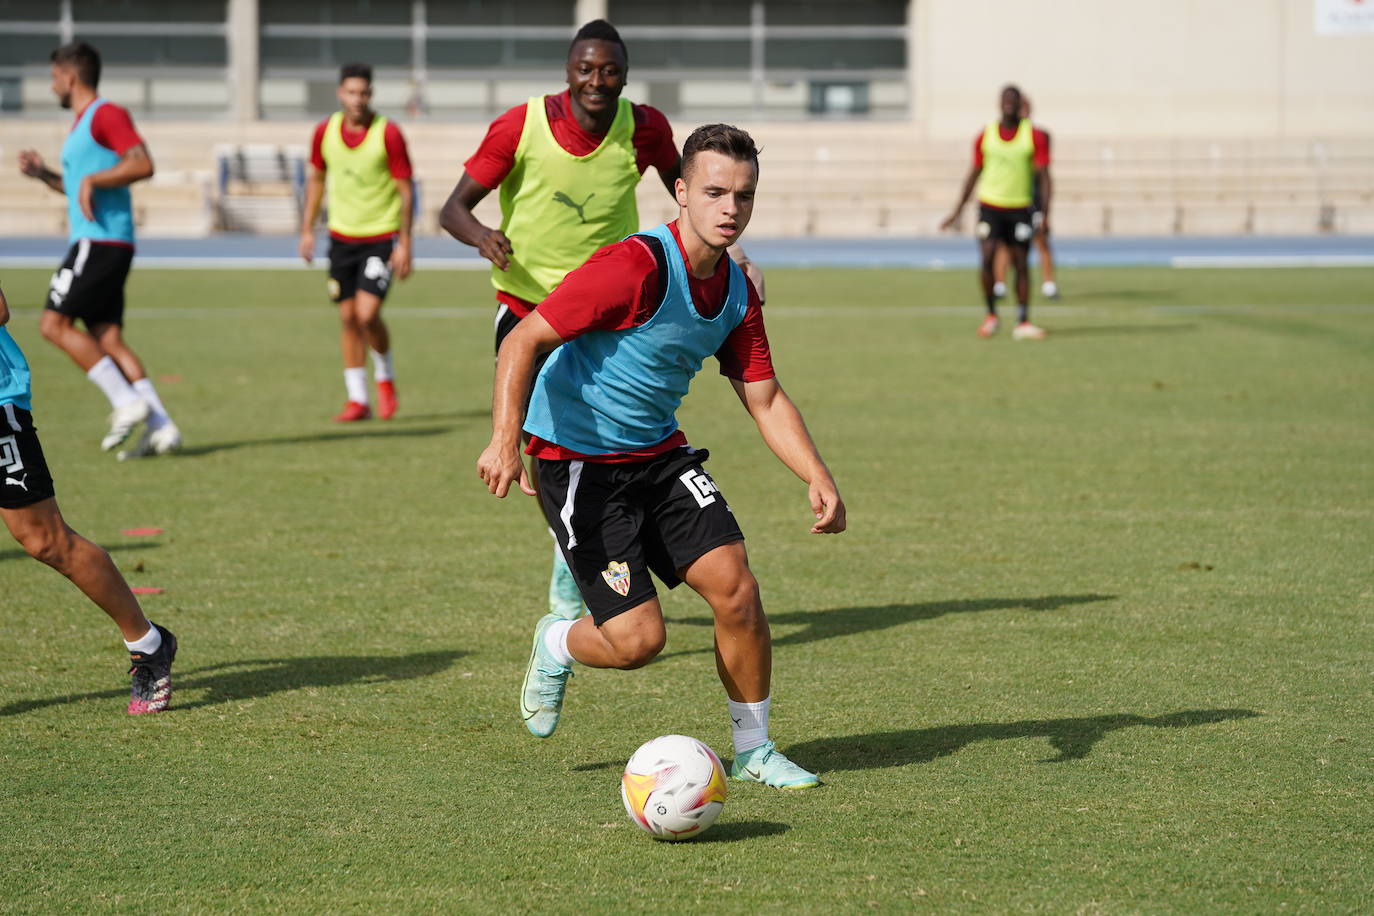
{"x":567,"y":166}
{"x":1011,"y":158}
{"x":371,"y":204}
{"x":1048,"y":288}
{"x":620,"y":485}
{"x":101,"y":157}
{"x":29,"y":508}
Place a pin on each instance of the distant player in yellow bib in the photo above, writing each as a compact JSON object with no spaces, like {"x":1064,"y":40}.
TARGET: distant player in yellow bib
{"x":359,"y":160}
{"x":1011,"y":168}
{"x":567,"y":166}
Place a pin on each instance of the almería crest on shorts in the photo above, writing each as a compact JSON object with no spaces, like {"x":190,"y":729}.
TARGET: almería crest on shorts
{"x":617,"y":576}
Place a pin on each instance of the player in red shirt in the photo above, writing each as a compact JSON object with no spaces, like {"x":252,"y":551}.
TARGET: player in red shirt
{"x":579,"y":120}
{"x":371,"y":203}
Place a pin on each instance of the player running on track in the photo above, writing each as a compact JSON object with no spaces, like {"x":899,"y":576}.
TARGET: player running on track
{"x":29,"y":509}
{"x":101,"y":157}
{"x":620,"y":485}
{"x":567,"y":166}
{"x":1011,"y":160}
{"x":359,"y":158}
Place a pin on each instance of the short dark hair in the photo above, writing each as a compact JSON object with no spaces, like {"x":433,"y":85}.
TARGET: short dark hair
{"x":81,"y":57}
{"x":600,"y":30}
{"x":349,"y":71}
{"x":720,"y":138}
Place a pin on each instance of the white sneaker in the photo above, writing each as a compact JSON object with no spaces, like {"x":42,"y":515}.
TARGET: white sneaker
{"x":122,"y":423}
{"x":161,"y":441}
{"x":1049,"y":289}
{"x":1027,"y":331}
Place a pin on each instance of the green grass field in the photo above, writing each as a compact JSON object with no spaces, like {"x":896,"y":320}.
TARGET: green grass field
{"x":1098,"y":640}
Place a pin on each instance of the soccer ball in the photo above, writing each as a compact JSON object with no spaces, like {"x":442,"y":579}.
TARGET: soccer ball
{"x":674,"y":787}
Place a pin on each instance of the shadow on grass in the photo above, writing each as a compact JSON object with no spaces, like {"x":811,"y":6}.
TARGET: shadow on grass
{"x":851,"y":620}
{"x":483,"y":413}
{"x":1108,"y":330}
{"x":331,"y":436}
{"x":1073,"y":738}
{"x":734,"y":831}
{"x":249,"y":679}
{"x":18,"y":554}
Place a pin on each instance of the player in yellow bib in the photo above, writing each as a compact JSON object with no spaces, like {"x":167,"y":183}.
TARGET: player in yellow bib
{"x":359,"y":159}
{"x":566,"y":166}
{"x":1011,"y":161}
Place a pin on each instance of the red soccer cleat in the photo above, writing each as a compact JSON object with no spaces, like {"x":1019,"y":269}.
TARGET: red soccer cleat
{"x":386,"y":399}
{"x":988,"y":327}
{"x":352,"y":412}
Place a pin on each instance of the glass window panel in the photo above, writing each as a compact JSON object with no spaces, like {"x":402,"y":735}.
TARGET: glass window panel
{"x":147,"y":11}
{"x":463,"y":53}
{"x":343,"y":12}
{"x":180,"y":50}
{"x":689,"y":54}
{"x":703,"y":12}
{"x":294,"y":52}
{"x":335,"y":52}
{"x":19,"y":50}
{"x":500,"y":12}
{"x":835,"y":53}
{"x":379,"y":52}
{"x":834,"y":12}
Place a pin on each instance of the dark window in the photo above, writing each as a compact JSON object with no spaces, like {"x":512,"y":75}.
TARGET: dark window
{"x":18,"y":50}
{"x":834,"y":12}
{"x":703,"y":12}
{"x":336,"y":12}
{"x":334,"y":52}
{"x":179,"y":50}
{"x":501,"y":12}
{"x":29,"y":11}
{"x":680,"y":53}
{"x":147,"y":11}
{"x":835,"y":53}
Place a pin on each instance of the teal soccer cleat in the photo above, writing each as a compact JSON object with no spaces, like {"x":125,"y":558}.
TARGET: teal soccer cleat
{"x":768,"y":765}
{"x":565,"y":600}
{"x":541,"y":696}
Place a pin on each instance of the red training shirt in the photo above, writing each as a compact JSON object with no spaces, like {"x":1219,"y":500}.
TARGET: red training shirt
{"x":397,"y":160}
{"x":495,"y":157}
{"x":618,"y":289}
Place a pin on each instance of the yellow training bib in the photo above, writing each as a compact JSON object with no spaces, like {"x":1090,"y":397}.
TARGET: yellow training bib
{"x":362,"y":196}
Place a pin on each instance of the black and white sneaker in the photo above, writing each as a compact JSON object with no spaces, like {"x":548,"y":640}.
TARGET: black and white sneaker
{"x":152,"y":676}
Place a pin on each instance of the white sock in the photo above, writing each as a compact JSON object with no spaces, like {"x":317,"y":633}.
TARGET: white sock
{"x":158,"y":417}
{"x":556,"y":641}
{"x":381,"y":366}
{"x":355,"y":383}
{"x":148,"y":643}
{"x":110,"y":380}
{"x":999,"y":289}
{"x":748,"y":724}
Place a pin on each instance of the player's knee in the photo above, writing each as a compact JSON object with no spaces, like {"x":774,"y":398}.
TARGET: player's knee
{"x":636,"y":649}
{"x":52,"y":546}
{"x":739,"y":607}
{"x":50,"y":326}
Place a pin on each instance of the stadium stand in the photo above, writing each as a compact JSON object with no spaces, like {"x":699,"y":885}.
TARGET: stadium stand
{"x":866,"y":180}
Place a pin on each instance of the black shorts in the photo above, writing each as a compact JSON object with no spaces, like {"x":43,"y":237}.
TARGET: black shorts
{"x":24,"y":477}
{"x":617,"y":522}
{"x":506,"y":320}
{"x":1011,"y":227}
{"x":357,"y":266}
{"x":90,"y":283}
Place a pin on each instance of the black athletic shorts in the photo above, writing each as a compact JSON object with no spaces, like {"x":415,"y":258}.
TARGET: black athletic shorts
{"x":1013,"y":227}
{"x":506,"y":320}
{"x":357,"y":266}
{"x":616,"y":522}
{"x":90,"y":283}
{"x":24,"y":477}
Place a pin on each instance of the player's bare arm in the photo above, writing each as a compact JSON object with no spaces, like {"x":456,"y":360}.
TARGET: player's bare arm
{"x":1046,"y":191}
{"x":134,"y":165}
{"x":499,"y":464}
{"x":785,"y":433}
{"x":4,"y":310}
{"x":402,"y":260}
{"x":964,"y":195}
{"x":32,"y":165}
{"x":314,"y":193}
{"x":458,"y":220}
{"x":751,"y":269}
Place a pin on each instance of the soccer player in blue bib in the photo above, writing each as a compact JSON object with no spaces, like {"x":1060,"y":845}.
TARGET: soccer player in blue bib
{"x":29,"y":509}
{"x":101,"y":157}
{"x":623,"y":491}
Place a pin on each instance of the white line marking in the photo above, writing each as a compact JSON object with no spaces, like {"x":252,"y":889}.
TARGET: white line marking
{"x":1272,"y":261}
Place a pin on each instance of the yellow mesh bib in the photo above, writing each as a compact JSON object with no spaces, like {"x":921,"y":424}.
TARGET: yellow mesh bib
{"x":1008,"y":176}
{"x":362,"y":196}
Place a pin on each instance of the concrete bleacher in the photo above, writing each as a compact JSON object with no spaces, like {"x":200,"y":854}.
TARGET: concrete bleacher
{"x":823,"y":179}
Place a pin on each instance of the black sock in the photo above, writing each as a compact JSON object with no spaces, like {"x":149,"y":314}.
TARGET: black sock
{"x":1023,"y":312}
{"x":992,"y":305}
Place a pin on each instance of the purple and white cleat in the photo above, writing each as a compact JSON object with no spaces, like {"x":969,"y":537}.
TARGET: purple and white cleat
{"x":152,"y":676}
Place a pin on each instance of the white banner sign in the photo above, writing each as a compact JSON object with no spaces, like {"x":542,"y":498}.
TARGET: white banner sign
{"x":1344,"y":17}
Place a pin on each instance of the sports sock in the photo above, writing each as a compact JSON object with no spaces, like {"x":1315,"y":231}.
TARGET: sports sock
{"x":157,"y":418}
{"x":381,"y":366}
{"x":556,"y":642}
{"x":1023,"y":312}
{"x":148,"y":643}
{"x":355,"y":383}
{"x":992,"y":305}
{"x":748,"y":724}
{"x":110,"y":380}
{"x":999,"y":289}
